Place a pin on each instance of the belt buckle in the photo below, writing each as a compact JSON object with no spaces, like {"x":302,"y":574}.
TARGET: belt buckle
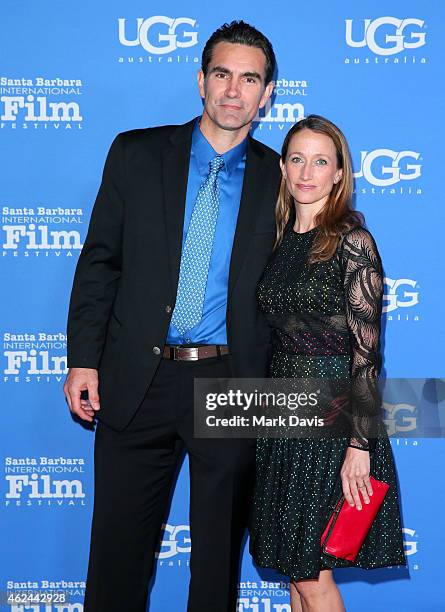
{"x":186,"y":353}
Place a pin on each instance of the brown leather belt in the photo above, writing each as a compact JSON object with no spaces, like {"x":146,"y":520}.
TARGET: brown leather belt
{"x":194,"y":353}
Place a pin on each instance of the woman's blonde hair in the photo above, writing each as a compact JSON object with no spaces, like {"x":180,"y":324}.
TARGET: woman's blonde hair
{"x":337,"y":215}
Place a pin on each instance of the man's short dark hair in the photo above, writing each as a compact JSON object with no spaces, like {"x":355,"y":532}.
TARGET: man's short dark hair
{"x":241,"y":33}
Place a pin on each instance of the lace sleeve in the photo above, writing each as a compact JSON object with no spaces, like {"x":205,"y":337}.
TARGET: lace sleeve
{"x":363,"y":290}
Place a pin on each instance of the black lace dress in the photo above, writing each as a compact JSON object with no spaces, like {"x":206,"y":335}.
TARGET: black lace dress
{"x":325,"y":319}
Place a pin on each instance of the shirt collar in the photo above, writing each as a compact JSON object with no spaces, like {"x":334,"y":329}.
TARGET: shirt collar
{"x":204,"y":152}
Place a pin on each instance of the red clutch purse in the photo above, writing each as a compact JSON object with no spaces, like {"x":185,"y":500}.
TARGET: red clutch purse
{"x":348,"y":527}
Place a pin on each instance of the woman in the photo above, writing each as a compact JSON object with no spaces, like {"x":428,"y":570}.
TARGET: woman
{"x":321,"y":293}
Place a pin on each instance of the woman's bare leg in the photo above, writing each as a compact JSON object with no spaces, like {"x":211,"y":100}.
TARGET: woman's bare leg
{"x":295,"y":599}
{"x":320,"y":595}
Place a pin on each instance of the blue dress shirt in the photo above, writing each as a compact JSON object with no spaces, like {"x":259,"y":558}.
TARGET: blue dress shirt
{"x":212,"y":327}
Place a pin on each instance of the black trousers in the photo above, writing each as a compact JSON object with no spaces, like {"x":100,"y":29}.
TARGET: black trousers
{"x":134,"y":470}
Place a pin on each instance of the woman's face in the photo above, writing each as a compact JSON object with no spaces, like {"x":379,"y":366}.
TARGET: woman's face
{"x":311,"y":170}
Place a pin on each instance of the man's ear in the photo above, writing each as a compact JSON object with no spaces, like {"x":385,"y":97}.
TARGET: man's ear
{"x":201,"y":82}
{"x":267,"y":93}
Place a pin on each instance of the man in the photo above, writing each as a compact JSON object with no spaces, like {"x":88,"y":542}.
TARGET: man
{"x":164,"y":292}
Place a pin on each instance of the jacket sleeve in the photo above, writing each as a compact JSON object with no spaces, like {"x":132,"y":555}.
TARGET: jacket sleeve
{"x":99,"y":267}
{"x":363,"y":291}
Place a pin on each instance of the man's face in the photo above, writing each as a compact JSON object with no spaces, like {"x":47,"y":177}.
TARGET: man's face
{"x":234,"y":87}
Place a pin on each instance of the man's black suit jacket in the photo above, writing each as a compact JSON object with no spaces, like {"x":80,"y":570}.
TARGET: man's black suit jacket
{"x":126,"y":278}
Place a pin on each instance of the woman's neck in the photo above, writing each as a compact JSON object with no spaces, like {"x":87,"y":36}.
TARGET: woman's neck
{"x":305,"y":215}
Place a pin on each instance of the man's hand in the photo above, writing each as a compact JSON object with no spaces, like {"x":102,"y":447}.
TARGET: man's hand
{"x":355,"y":477}
{"x":78,"y":380}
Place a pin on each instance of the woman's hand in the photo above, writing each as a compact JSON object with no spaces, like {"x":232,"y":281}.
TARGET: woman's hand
{"x":355,"y":477}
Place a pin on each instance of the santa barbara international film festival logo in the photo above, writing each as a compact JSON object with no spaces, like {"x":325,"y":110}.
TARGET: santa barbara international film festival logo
{"x":285,"y":106}
{"x":41,"y":231}
{"x":40,"y":103}
{"x":386,"y":40}
{"x":391,"y":172}
{"x":400,"y":294}
{"x":44,"y":481}
{"x":34,"y":357}
{"x":263,"y":596}
{"x":158,"y":39}
{"x":44,"y":595}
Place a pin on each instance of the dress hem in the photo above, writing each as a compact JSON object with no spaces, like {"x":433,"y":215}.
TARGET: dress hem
{"x":312,"y":576}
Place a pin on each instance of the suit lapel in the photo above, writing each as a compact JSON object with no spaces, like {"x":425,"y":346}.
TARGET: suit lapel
{"x":176,"y":158}
{"x":254,"y":185}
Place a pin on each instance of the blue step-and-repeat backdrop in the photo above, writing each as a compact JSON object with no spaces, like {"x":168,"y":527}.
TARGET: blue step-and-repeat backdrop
{"x":71,"y":77}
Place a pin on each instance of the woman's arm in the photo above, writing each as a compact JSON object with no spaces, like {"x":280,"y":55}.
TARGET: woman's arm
{"x":363,"y":290}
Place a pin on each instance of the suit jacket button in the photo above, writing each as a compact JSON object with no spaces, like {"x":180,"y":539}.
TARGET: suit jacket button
{"x":156,"y":350}
{"x":168,"y":309}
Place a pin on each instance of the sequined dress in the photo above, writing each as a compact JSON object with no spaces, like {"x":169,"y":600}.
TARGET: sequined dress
{"x":325,"y":321}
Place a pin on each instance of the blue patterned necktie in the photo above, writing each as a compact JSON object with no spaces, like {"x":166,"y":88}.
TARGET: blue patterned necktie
{"x":197,"y":251}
